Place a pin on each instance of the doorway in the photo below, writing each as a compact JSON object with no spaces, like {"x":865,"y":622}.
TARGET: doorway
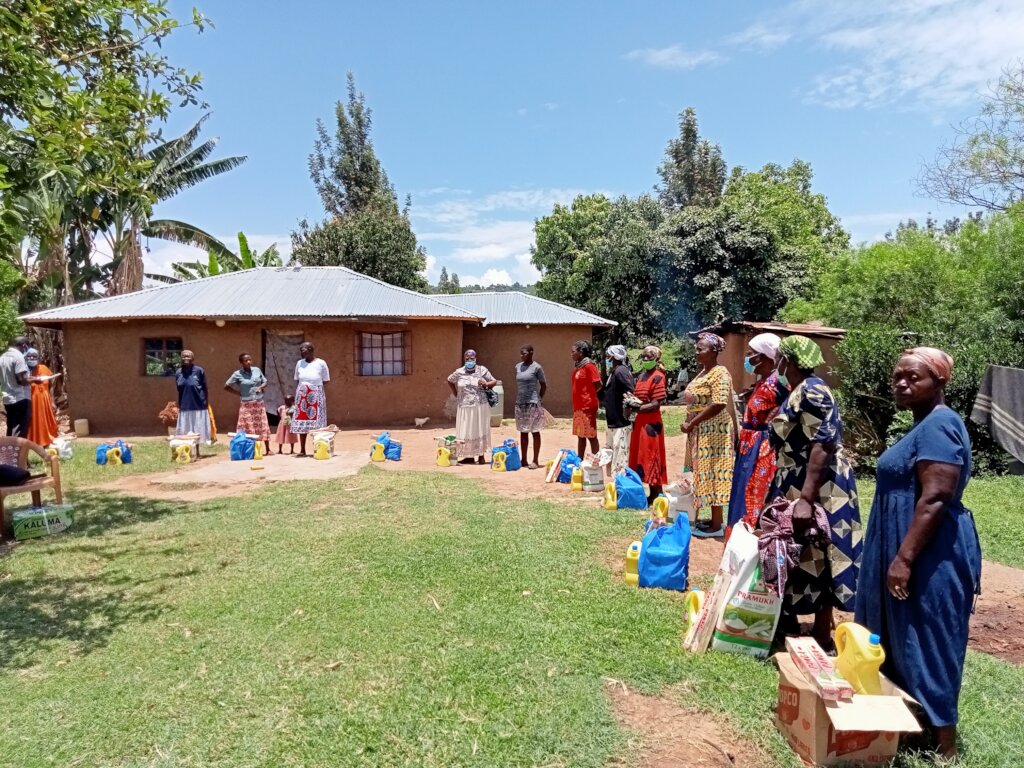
{"x":280,"y":353}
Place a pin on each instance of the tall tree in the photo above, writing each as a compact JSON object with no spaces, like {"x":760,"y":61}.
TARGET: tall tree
{"x":219,"y":259}
{"x":454,"y":286}
{"x":693,"y":171}
{"x":984,"y":163}
{"x":444,"y":285}
{"x":365,"y":229}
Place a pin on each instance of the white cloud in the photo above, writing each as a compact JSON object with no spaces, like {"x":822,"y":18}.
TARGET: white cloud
{"x":490,"y":277}
{"x":432,"y":272}
{"x":525,"y":272}
{"x":869,"y":227}
{"x":930,"y":54}
{"x":672,"y":57}
{"x":468,"y":210}
{"x":550,"y":106}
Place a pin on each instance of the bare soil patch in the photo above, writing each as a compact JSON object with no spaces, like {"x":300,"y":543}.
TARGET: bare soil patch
{"x":997,"y":627}
{"x":670,"y":736}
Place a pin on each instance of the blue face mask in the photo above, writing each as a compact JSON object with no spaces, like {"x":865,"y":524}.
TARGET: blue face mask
{"x":747,"y":365}
{"x":470,"y":365}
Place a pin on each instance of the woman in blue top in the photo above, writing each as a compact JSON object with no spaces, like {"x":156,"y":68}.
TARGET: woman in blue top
{"x":249,"y":382}
{"x":922,"y":561}
{"x":193,"y":399}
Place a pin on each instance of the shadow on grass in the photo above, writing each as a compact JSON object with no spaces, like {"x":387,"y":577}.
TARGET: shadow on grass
{"x":83,"y":610}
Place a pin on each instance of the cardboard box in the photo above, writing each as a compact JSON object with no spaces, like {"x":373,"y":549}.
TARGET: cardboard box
{"x":864,"y":731}
{"x":35,"y":522}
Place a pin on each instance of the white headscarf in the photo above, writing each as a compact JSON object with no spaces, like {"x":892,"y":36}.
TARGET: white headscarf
{"x":766,"y":344}
{"x":618,"y":352}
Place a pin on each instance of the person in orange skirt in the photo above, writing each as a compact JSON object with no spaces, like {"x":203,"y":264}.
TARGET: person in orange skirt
{"x":42,"y":429}
{"x":586,"y":398}
{"x":647,"y":443}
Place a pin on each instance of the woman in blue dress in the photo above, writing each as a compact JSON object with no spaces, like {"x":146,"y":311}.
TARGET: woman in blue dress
{"x":922,"y":560}
{"x":813,"y":469}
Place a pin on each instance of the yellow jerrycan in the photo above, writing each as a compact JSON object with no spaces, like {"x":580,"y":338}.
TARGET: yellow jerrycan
{"x":611,"y":497}
{"x":632,"y":573}
{"x":377,"y":452}
{"x":444,"y":457}
{"x":183,"y":454}
{"x":322,"y":452}
{"x":576,"y":482}
{"x":114,"y":456}
{"x":859,"y":654}
{"x":661,"y":508}
{"x":692,"y":604}
{"x":498,"y":461}
{"x":257,"y":451}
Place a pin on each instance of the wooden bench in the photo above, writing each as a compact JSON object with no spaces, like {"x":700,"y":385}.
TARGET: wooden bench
{"x":14,"y":451}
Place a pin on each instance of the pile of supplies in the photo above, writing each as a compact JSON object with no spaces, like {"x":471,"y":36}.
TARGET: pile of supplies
{"x":447,"y":450}
{"x":506,"y":458}
{"x":114,"y":452}
{"x":36,"y":522}
{"x":384,"y":448}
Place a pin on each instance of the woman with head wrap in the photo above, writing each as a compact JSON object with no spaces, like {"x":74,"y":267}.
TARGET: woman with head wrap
{"x":311,"y":373}
{"x":586,"y":398}
{"x":755,"y":457}
{"x":193,"y":399}
{"x":473,"y":417}
{"x":620,"y":382}
{"x":647,"y":443}
{"x":709,"y":424}
{"x":922,"y":560}
{"x":813,"y":469}
{"x":42,"y":428}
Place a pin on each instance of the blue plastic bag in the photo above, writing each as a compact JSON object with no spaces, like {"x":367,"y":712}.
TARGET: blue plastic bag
{"x":385,"y":440}
{"x":126,"y":452}
{"x":570,"y":461}
{"x":101,"y":454}
{"x":629,"y":490}
{"x":392,"y":450}
{"x":513,"y":460}
{"x":665,"y":556}
{"x":242,"y":448}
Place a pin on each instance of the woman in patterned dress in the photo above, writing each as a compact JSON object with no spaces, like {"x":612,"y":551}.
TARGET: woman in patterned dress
{"x":473,"y":417}
{"x":647,"y":442}
{"x":310,"y":402}
{"x":248,"y":382}
{"x":709,"y":421}
{"x":755,"y":456}
{"x":812,"y":469}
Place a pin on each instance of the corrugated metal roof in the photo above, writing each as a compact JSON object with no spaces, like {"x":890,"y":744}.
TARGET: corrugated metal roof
{"x":292,"y":292}
{"x":804,"y":329}
{"x":516,"y":308}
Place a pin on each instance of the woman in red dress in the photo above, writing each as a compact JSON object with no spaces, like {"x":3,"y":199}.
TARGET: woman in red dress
{"x":647,"y":444}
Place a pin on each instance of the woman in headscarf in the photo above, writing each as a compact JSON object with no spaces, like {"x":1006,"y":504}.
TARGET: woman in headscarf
{"x":586,"y":398}
{"x":647,"y":443}
{"x":310,"y":401}
{"x":42,"y":428}
{"x":248,"y":382}
{"x":620,"y":429}
{"x":193,"y":399}
{"x":813,"y":469}
{"x":755,"y":457}
{"x":709,"y":424}
{"x":473,"y":418}
{"x":922,"y":560}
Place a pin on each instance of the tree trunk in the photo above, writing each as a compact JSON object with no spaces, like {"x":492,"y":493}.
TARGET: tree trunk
{"x":128,"y":273}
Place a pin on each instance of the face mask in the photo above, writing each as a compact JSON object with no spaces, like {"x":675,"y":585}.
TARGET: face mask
{"x":470,"y":365}
{"x":747,"y":365}
{"x":782,"y":379}
{"x":648,"y":365}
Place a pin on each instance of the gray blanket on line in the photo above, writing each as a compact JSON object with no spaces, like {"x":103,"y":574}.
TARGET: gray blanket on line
{"x":1000,"y":407}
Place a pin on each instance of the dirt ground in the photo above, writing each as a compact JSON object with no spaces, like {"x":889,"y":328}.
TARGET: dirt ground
{"x":672,"y":737}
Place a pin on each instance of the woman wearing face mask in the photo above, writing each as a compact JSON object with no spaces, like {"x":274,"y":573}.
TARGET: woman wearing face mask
{"x":709,"y":422}
{"x":812,"y":469}
{"x":42,"y":428}
{"x":922,"y":559}
{"x":647,"y":443}
{"x":473,"y":418}
{"x":755,"y":457}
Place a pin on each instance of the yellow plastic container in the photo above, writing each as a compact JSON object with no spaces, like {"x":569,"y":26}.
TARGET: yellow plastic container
{"x":498,"y":462}
{"x":114,"y":456}
{"x":444,"y":457}
{"x":257,"y":451}
{"x":691,"y":606}
{"x":611,"y":497}
{"x":661,"y":508}
{"x":632,"y":574}
{"x":183,"y":454}
{"x":322,"y":452}
{"x":576,"y":483}
{"x":859,"y":654}
{"x":377,"y":452}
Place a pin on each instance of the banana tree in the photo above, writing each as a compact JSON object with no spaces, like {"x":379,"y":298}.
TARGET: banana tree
{"x":219,"y":258}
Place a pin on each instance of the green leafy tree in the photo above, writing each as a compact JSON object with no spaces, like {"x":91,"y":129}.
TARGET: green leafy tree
{"x":365,"y":230}
{"x":444,"y":284}
{"x":220,"y":258}
{"x":84,"y":81}
{"x":454,"y":286}
{"x":11,"y":283}
{"x":693,"y":171}
{"x":565,"y":250}
{"x":983,"y":165}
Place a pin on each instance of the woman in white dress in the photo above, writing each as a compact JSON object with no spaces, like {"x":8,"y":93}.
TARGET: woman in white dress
{"x":310,"y":402}
{"x":473,"y":418}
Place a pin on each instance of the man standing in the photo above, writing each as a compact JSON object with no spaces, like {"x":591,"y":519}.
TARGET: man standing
{"x":16,"y":386}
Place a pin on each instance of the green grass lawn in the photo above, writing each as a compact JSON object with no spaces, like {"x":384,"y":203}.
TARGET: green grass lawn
{"x":383,"y":619}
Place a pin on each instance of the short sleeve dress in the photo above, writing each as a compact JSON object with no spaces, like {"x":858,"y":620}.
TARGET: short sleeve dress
{"x":713,"y":452}
{"x":924,"y":636}
{"x":825,"y":576}
{"x":647,"y":441}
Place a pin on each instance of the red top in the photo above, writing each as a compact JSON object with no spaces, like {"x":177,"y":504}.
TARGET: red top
{"x":584,"y":393}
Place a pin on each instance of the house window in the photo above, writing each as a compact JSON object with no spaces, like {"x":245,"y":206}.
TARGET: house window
{"x":161,"y":357}
{"x":383,"y":354}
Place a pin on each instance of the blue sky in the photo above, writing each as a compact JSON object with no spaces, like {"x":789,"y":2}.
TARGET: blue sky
{"x":489,"y":113}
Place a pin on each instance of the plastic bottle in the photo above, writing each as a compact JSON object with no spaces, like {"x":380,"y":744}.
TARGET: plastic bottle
{"x":691,"y":606}
{"x":114,"y":456}
{"x":632,"y":574}
{"x":444,"y":457}
{"x":859,"y":654}
{"x":498,"y":462}
{"x":661,"y":508}
{"x":611,"y":497}
{"x":576,"y":483}
{"x":322,"y":452}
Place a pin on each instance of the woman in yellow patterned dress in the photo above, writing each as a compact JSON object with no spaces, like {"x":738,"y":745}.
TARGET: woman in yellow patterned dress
{"x":709,"y":424}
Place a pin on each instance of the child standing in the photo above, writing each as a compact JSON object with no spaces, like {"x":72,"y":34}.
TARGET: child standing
{"x":285,"y":414}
